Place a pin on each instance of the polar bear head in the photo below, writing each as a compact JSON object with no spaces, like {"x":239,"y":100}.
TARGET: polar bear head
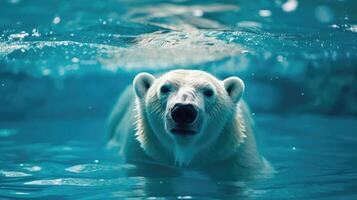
{"x":183,"y":111}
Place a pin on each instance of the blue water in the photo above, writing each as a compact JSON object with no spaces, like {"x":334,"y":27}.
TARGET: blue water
{"x":63,"y":64}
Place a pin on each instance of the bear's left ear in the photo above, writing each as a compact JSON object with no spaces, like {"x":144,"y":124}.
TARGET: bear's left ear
{"x":234,"y":87}
{"x":142,"y":82}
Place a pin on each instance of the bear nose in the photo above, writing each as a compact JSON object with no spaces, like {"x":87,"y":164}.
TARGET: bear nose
{"x":184,"y":113}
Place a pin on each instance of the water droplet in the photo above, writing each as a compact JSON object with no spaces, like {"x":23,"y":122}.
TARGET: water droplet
{"x":184,"y":197}
{"x":294,"y":148}
{"x":35,"y":33}
{"x":353,"y":28}
{"x":335,"y":26}
{"x":46,"y":72}
{"x":198,"y":13}
{"x":265,"y":13}
{"x":290,"y":5}
{"x":56,"y":20}
{"x":280,"y":58}
{"x":75,"y":60}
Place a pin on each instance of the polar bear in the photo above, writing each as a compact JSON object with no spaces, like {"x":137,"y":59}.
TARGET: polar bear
{"x":186,"y":119}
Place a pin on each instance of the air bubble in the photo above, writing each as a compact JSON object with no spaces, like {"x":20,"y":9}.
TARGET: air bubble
{"x":56,"y":20}
{"x":280,"y":58}
{"x":75,"y":60}
{"x":265,"y":13}
{"x":290,"y":5}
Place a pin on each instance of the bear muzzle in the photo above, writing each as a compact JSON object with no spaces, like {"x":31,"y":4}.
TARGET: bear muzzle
{"x":183,"y":113}
{"x":183,"y":117}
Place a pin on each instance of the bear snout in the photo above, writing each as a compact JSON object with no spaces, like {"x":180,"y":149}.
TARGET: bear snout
{"x":183,"y":114}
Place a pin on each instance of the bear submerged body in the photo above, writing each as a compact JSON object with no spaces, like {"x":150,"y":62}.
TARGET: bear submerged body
{"x":187,"y":119}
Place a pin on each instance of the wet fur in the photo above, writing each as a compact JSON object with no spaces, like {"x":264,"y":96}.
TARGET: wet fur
{"x":232,"y":154}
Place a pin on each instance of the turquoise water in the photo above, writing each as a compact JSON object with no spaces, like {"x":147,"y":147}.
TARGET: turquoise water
{"x":63,"y":64}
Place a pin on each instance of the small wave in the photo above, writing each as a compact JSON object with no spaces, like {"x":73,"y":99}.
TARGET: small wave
{"x":64,"y":181}
{"x":85,"y":168}
{"x":13,"y":174}
{"x":86,"y":181}
{"x":170,"y":49}
{"x":88,"y":168}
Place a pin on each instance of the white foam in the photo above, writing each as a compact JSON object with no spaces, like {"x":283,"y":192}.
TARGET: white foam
{"x":62,"y":181}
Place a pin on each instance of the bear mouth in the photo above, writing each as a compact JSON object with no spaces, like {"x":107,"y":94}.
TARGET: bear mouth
{"x":183,"y":132}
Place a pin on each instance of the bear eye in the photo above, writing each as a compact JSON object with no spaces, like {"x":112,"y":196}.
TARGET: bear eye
{"x":208,"y":92}
{"x":164,"y":89}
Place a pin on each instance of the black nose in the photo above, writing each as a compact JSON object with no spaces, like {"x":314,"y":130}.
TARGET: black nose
{"x":184,"y":113}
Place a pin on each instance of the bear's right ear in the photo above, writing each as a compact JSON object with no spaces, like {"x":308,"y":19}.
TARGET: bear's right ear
{"x":142,"y":82}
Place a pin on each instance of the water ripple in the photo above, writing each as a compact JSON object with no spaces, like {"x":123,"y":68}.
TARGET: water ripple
{"x":13,"y":174}
{"x":86,"y":181}
{"x":85,"y":168}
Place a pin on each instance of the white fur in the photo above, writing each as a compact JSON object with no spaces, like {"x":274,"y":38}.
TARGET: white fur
{"x":225,"y":138}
